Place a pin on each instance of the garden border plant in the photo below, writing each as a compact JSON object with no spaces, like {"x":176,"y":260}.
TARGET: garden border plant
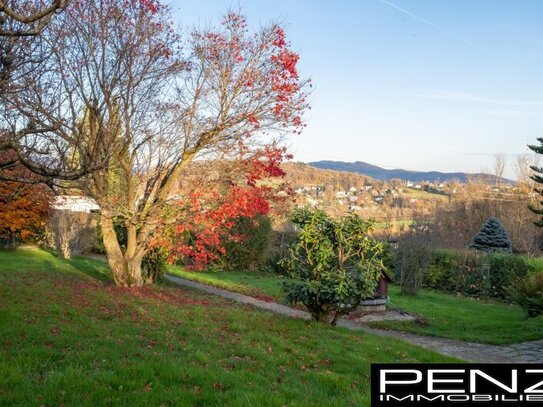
{"x":333,"y":265}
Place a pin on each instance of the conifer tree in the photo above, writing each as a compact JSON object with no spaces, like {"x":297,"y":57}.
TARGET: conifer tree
{"x":537,"y":176}
{"x":492,"y":238}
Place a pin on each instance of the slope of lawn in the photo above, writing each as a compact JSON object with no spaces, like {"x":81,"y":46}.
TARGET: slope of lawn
{"x":443,"y":315}
{"x":68,"y":337}
{"x":463,"y":318}
{"x":253,"y":283}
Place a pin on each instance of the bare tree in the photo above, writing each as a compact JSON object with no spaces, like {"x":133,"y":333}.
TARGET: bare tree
{"x":119,"y":88}
{"x":21,"y":50}
{"x":523,"y":169}
{"x":499,"y":167}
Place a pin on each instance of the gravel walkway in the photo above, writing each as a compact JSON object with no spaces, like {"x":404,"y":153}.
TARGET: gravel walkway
{"x":529,"y":352}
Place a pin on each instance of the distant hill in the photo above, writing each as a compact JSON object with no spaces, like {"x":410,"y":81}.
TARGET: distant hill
{"x":414,"y":176}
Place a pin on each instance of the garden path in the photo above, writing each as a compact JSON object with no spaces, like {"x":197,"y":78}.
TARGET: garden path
{"x":528,"y":352}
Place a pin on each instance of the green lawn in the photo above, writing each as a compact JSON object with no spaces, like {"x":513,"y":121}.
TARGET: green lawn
{"x":463,"y":318}
{"x":254,"y":283}
{"x":446,"y":315}
{"x":68,"y":337}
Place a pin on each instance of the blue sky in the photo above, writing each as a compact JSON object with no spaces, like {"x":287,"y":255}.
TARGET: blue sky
{"x":416,"y":84}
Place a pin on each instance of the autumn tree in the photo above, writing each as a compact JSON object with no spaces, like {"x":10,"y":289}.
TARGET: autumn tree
{"x":24,"y":207}
{"x":20,"y":23}
{"x":120,"y":89}
{"x":212,"y":215}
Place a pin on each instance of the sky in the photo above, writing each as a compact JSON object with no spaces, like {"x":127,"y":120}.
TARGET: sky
{"x":414,"y":84}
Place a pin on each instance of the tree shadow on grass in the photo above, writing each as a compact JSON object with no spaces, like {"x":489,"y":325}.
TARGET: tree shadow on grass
{"x":43,"y":260}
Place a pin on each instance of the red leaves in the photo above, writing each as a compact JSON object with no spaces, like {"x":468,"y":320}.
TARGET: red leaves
{"x":279,"y":40}
{"x":202,"y":236}
{"x":260,"y":69}
{"x":151,"y":6}
{"x":212,"y":215}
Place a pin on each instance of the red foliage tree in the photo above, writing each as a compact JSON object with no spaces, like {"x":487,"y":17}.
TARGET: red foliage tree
{"x":127,"y":96}
{"x":210,"y":215}
{"x":23,"y":206}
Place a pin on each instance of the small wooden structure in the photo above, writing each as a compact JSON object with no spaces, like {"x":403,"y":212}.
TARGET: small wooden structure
{"x":380,"y":297}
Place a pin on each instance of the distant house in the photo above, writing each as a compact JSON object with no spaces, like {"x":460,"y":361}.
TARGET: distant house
{"x":75,"y":203}
{"x":409,"y":184}
{"x":352,"y":190}
{"x":379,"y":198}
{"x":341,"y":194}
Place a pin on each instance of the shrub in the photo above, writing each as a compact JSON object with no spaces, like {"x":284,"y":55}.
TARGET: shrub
{"x":527,"y":292}
{"x":450,"y":270}
{"x":333,"y":265}
{"x":250,"y":251}
{"x":502,"y":271}
{"x":473,"y":274}
{"x":535,"y":265}
{"x":412,"y":261}
{"x":154,"y":265}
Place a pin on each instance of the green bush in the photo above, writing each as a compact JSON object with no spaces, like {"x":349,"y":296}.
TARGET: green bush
{"x":154,"y":265}
{"x":527,"y":292}
{"x":535,"y":265}
{"x":443,"y":272}
{"x":502,"y":271}
{"x":474,"y":274}
{"x":333,"y":265}
{"x":251,"y":252}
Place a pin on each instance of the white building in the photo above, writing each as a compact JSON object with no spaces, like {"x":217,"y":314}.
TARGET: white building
{"x":75,"y":203}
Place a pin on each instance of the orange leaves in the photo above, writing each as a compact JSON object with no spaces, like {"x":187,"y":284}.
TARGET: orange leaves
{"x":23,"y":207}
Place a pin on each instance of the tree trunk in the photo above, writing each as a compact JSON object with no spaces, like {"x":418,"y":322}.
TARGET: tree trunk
{"x":125,"y":268}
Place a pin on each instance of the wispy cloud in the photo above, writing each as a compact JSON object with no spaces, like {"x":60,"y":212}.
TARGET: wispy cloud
{"x":469,"y":97}
{"x":429,"y":23}
{"x":512,"y":113}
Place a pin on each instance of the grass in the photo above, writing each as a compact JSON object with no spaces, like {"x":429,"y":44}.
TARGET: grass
{"x":68,"y":337}
{"x":446,"y":315}
{"x":257,"y":284}
{"x":463,"y":318}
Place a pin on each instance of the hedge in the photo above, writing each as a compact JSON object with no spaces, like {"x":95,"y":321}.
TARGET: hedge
{"x":477,"y":275}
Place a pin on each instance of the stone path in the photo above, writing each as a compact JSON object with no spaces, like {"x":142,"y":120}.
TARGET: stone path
{"x":528,"y":352}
